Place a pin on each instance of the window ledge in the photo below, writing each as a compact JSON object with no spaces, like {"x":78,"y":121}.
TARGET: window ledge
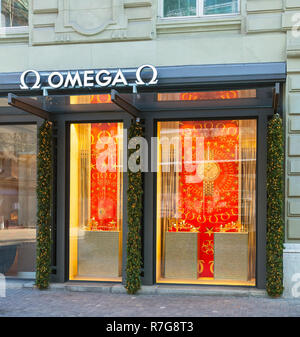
{"x":14,"y":34}
{"x":203,"y":24}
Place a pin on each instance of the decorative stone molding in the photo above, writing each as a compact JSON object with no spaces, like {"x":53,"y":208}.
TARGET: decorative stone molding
{"x":291,"y":248}
{"x":77,"y":21}
{"x":292,"y":4}
{"x":291,"y":24}
{"x":49,"y":6}
{"x":292,"y":118}
{"x":294,"y":207}
{"x":77,"y":16}
{"x":192,"y":25}
{"x":293,"y":43}
{"x":14,"y":35}
{"x":291,"y":270}
{"x":265,"y":22}
{"x":254,"y":6}
{"x":264,"y":16}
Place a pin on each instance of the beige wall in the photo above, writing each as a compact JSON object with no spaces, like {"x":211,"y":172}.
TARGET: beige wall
{"x":60,"y":38}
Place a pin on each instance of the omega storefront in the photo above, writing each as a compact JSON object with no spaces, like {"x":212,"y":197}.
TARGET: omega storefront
{"x":204,"y":180}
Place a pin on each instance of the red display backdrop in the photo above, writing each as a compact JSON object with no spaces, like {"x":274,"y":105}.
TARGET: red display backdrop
{"x":104,"y":185}
{"x":210,"y":204}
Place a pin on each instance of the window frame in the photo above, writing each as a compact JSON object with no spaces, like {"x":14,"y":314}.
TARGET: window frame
{"x":199,"y":12}
{"x":122,"y":235}
{"x":261,"y":114}
{"x":220,"y":114}
{"x":20,"y":121}
{"x":12,"y":29}
{"x":63,"y":182}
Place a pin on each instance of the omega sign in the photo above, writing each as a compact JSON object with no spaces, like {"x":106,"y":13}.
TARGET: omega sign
{"x":89,"y":78}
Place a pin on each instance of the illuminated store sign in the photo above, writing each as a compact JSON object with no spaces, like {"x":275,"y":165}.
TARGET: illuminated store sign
{"x":88,"y":79}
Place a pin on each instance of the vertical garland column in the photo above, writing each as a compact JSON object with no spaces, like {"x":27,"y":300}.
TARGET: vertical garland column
{"x":134,"y":214}
{"x":44,"y":187}
{"x":275,"y":202}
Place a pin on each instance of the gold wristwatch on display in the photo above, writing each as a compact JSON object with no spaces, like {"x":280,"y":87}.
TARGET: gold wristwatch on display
{"x":209,"y":173}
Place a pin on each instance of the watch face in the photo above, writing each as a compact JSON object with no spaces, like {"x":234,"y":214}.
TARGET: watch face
{"x":209,"y":172}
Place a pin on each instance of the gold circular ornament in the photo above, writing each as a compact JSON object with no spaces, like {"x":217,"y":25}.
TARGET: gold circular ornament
{"x":209,"y":172}
{"x":200,"y":266}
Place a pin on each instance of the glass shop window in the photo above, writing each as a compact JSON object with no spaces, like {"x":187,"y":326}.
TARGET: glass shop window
{"x":96,"y":201}
{"x":18,"y":205}
{"x":206,"y":202}
{"x":14,"y":13}
{"x":184,"y":8}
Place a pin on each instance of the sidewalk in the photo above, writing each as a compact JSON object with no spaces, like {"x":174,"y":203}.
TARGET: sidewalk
{"x":74,"y":300}
{"x":145,"y":290}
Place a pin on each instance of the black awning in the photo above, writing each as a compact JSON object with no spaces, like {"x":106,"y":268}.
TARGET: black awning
{"x":47,"y":106}
{"x":139,"y":104}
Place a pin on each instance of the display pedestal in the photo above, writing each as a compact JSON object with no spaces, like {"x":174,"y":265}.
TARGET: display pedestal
{"x":231,"y":256}
{"x":98,"y":254}
{"x":181,"y":255}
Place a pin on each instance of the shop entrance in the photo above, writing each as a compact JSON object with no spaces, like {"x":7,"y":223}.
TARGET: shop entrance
{"x":96,"y":201}
{"x":205,"y":226}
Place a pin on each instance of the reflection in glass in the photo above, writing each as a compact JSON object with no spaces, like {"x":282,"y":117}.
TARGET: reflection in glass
{"x":179,"y":8}
{"x":206,"y":95}
{"x":14,"y":13}
{"x":91,"y":99}
{"x":96,"y":201}
{"x":18,"y":200}
{"x":220,"y":7}
{"x":206,"y":190}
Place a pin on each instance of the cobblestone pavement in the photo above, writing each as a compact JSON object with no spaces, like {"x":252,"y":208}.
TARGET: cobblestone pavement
{"x":54,"y":303}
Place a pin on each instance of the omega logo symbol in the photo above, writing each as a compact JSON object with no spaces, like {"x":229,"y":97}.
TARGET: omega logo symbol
{"x":37,"y":83}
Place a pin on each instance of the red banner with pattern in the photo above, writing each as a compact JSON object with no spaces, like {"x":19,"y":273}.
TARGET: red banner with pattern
{"x":210,"y":203}
{"x":104,"y":185}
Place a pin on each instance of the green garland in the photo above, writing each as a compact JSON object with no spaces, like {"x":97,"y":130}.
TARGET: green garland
{"x":134,"y":213}
{"x":44,"y":186}
{"x":275,"y":201}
